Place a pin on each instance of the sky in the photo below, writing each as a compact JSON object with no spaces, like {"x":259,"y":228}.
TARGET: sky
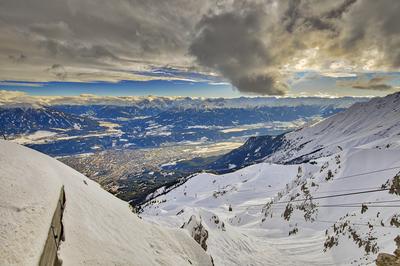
{"x":208,"y":48}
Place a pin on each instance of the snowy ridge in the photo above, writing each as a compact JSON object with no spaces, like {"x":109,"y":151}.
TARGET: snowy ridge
{"x":338,"y":205}
{"x":99,"y":228}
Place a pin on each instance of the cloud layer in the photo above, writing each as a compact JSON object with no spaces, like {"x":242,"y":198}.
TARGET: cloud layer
{"x":255,"y":45}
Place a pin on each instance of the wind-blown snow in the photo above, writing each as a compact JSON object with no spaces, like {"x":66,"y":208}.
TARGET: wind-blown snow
{"x":99,"y":228}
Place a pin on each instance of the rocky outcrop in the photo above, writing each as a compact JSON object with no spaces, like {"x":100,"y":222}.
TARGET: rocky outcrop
{"x":197,"y":231}
{"x":385,"y":259}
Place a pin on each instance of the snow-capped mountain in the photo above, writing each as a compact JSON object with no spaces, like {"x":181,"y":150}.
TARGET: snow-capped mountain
{"x":363,"y":123}
{"x":326,"y":194}
{"x":18,"y":99}
{"x":106,"y":123}
{"x":97,"y":228}
{"x":24,"y":120}
{"x":374,"y":122}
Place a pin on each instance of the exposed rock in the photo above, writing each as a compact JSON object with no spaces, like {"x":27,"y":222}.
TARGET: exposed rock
{"x":385,"y":259}
{"x":197,"y":231}
{"x":395,"y":186}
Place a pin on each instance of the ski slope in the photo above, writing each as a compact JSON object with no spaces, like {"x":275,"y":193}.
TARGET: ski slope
{"x":99,"y":228}
{"x":334,"y":208}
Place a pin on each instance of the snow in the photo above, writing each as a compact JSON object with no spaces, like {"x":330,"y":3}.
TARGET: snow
{"x":168,"y":164}
{"x":244,"y":230}
{"x":43,"y":136}
{"x":37,"y":137}
{"x":244,"y":212}
{"x":362,"y":123}
{"x":99,"y":228}
{"x":231,"y":166}
{"x":248,"y":239}
{"x":28,"y":198}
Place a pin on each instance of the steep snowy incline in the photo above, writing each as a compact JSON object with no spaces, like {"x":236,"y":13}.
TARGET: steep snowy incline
{"x":99,"y":228}
{"x":29,"y":193}
{"x":362,"y":123}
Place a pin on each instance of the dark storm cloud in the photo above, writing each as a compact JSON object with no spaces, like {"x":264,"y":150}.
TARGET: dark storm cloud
{"x":254,"y":44}
{"x":373,"y":24}
{"x":263,"y":84}
{"x":377,"y":87}
{"x":232,"y":44}
{"x":340,"y":10}
{"x":365,"y":82}
{"x":376,"y":83}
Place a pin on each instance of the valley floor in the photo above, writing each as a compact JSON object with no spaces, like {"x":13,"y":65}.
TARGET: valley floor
{"x":131,"y":174}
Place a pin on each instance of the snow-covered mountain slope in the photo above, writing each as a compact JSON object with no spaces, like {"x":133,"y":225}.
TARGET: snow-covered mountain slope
{"x":362,"y":123}
{"x":22,"y":120}
{"x":99,"y":228}
{"x":376,"y":120}
{"x":339,"y":206}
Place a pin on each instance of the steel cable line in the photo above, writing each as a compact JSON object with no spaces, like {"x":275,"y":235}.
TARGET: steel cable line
{"x":325,"y":197}
{"x":349,"y":204}
{"x":366,"y":173}
{"x":340,"y":178}
{"x":359,"y":224}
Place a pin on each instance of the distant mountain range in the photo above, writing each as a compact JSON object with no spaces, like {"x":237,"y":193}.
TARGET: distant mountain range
{"x":19,"y":99}
{"x":309,"y":141}
{"x":25,"y":120}
{"x":75,"y":125}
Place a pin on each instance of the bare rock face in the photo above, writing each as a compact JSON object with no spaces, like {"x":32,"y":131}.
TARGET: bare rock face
{"x":197,"y":231}
{"x":385,"y":259}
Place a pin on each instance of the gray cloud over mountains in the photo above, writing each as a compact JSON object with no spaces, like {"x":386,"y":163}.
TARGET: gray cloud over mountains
{"x":378,"y":83}
{"x":255,"y":44}
{"x":232,"y":43}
